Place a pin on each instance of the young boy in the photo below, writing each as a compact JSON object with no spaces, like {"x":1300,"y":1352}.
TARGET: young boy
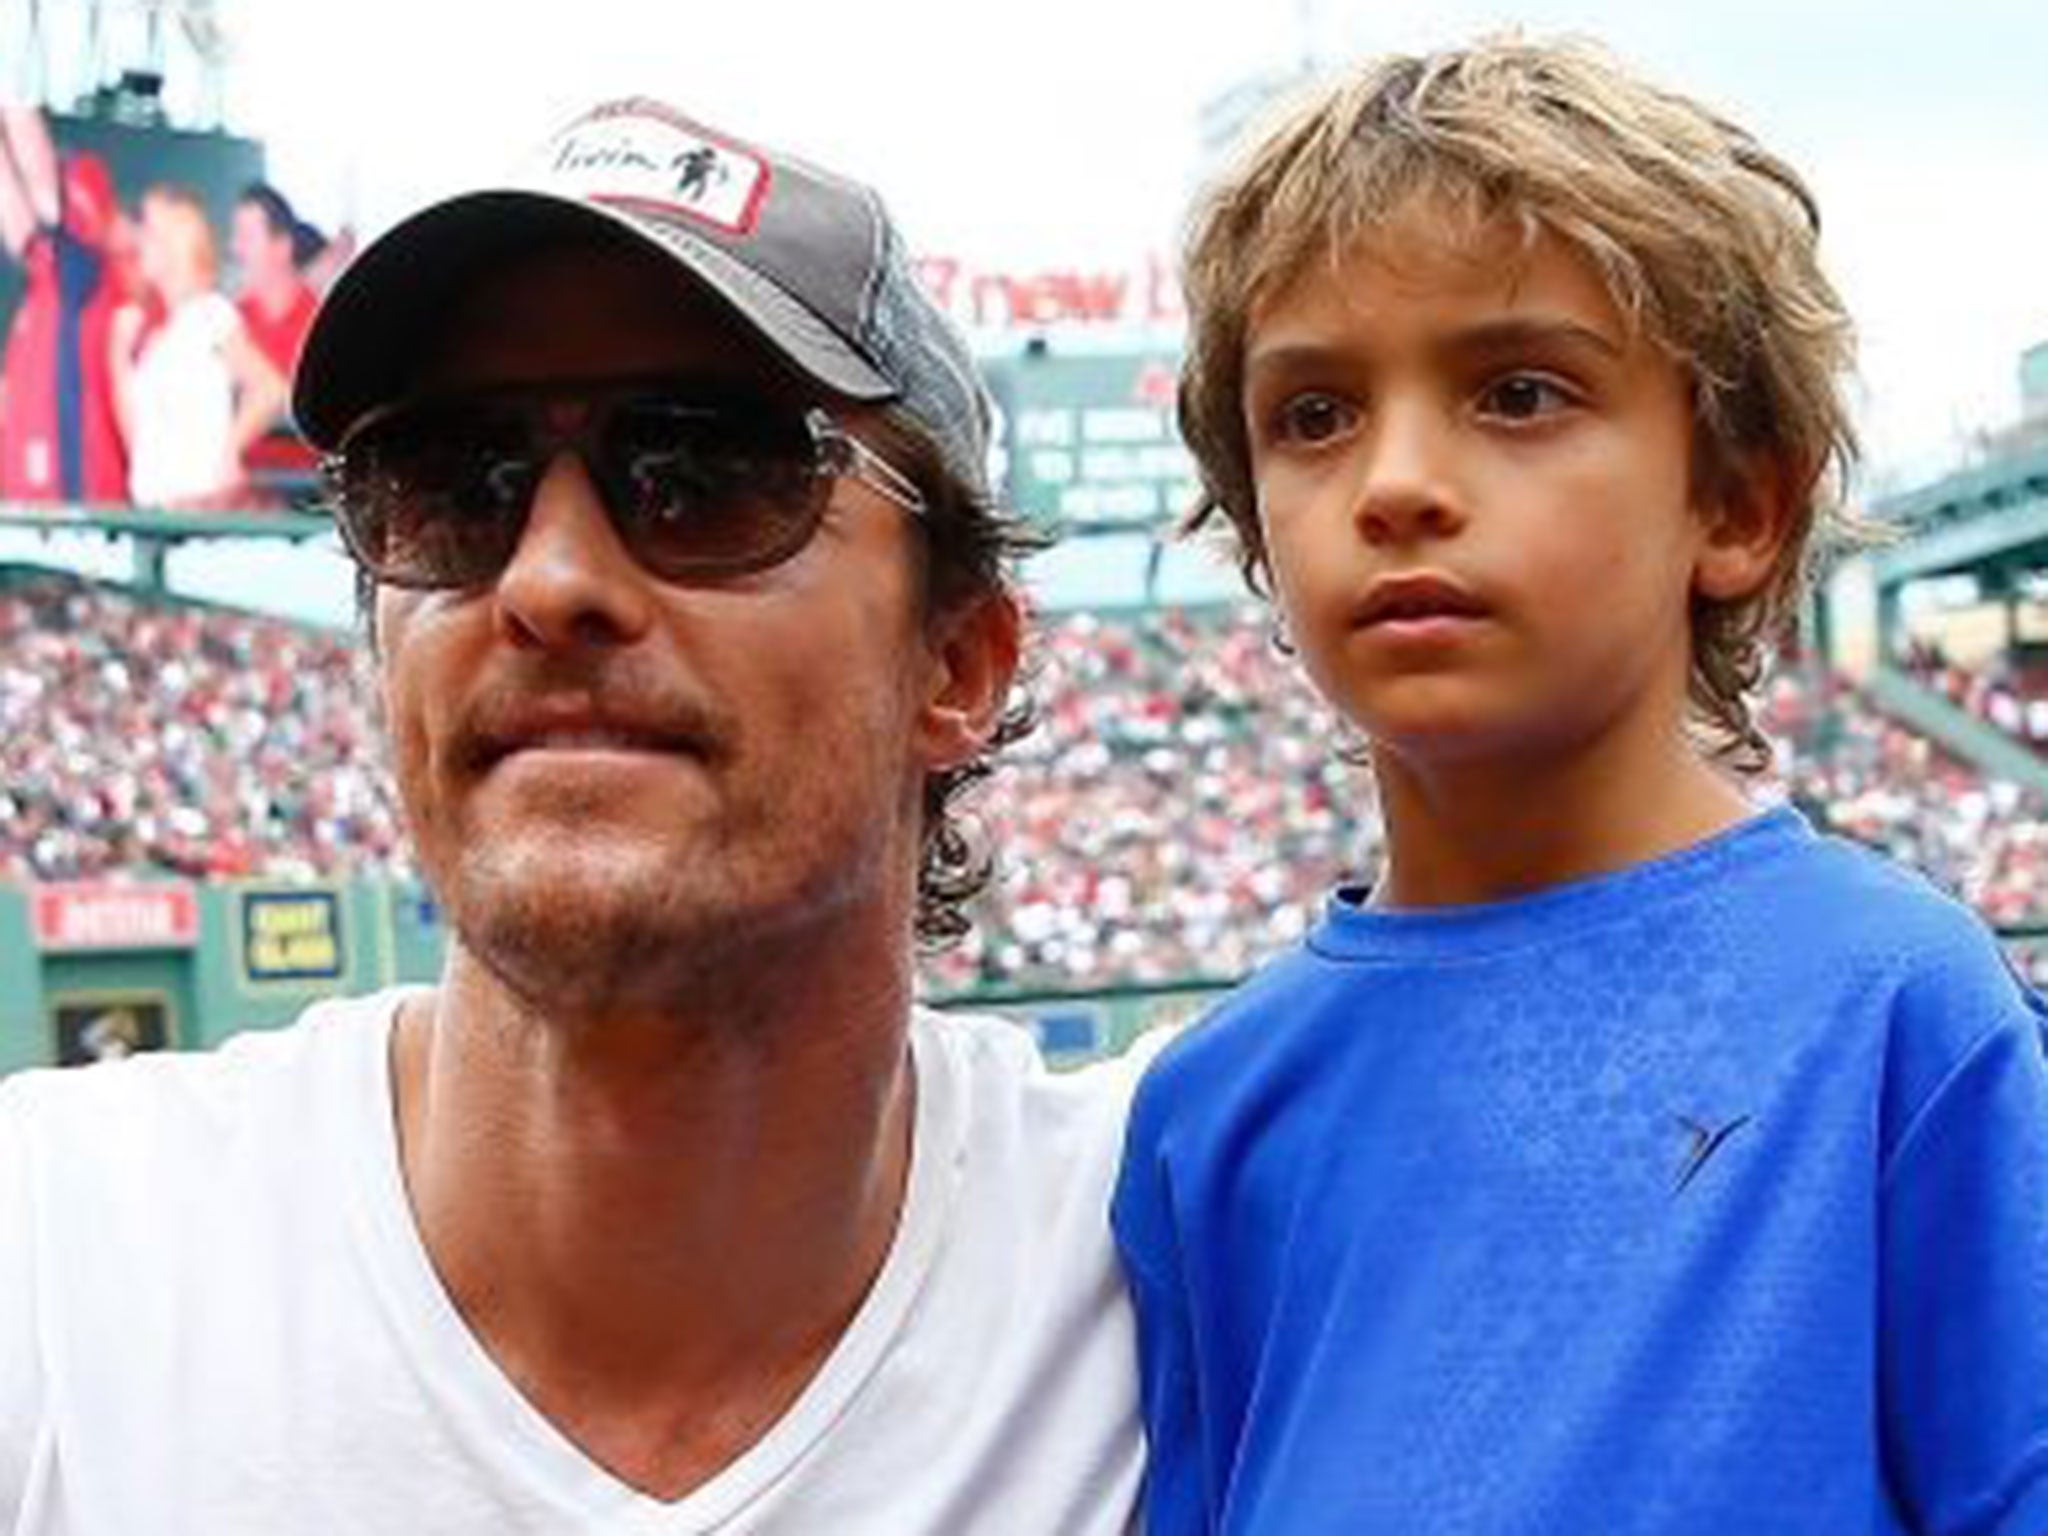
{"x":1629,"y":1158}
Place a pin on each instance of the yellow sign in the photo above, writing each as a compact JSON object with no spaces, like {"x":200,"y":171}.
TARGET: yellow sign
{"x":291,"y":936}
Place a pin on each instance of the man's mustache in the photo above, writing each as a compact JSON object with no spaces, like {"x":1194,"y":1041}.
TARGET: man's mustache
{"x":523,"y":707}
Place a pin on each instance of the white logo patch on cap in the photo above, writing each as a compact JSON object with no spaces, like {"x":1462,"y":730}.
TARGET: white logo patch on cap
{"x":637,"y":153}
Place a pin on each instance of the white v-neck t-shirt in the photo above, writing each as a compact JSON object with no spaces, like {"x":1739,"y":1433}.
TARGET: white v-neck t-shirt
{"x":217,"y":1317}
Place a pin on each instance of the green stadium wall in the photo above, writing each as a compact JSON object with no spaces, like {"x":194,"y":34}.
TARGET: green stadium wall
{"x":257,"y":952}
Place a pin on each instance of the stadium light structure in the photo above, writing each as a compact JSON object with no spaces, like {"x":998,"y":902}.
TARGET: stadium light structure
{"x":114,"y":58}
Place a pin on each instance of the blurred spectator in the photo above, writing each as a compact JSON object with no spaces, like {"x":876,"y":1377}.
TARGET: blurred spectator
{"x":270,"y":244}
{"x":59,"y":438}
{"x":197,"y":392}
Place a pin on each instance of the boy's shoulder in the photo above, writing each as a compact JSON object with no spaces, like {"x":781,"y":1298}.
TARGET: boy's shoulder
{"x":1822,"y":860}
{"x":1837,"y":906}
{"x":1242,"y":1032}
{"x":1949,"y":990}
{"x":1277,"y":1035}
{"x":1863,"y":909}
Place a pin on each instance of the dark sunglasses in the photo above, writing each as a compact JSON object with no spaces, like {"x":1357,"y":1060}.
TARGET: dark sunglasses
{"x":435,"y":493}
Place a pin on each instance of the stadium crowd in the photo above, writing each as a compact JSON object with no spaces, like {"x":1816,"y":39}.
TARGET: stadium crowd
{"x":1180,"y":810}
{"x":139,"y":737}
{"x":1865,"y":776}
{"x":2010,"y":695}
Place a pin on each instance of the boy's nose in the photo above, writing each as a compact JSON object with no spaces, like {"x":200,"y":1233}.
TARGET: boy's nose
{"x":1406,"y":488}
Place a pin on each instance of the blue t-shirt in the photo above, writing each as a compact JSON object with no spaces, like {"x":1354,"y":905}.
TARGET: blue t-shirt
{"x":1706,"y":1197}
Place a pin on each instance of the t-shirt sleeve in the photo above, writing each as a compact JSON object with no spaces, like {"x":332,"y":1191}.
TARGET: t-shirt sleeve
{"x":1175,"y":1502}
{"x":1964,"y":1201}
{"x":21,"y":1384}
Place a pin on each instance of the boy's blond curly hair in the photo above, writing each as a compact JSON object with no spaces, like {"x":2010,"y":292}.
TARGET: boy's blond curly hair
{"x":1704,"y":239}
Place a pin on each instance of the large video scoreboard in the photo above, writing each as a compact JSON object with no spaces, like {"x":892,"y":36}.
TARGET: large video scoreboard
{"x":215,"y":165}
{"x":1089,"y":440}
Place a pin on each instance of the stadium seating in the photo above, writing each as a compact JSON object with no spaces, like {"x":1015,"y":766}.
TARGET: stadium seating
{"x":1181,"y":810}
{"x":179,"y":738}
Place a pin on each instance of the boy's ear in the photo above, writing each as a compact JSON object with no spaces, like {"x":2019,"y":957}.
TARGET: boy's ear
{"x":974,"y":652}
{"x":1748,"y":522}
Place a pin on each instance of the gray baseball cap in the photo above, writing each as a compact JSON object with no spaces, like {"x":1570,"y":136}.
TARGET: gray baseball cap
{"x":809,"y":259}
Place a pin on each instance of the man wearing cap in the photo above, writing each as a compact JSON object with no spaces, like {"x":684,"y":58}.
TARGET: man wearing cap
{"x":667,"y":1209}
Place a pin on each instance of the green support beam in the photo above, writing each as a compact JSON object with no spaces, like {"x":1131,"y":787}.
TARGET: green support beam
{"x":1957,"y":731}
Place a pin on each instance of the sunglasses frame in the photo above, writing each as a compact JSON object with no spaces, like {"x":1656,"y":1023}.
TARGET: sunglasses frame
{"x":837,"y":453}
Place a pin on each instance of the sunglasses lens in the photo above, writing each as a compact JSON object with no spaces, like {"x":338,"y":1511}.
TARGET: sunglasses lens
{"x":703,"y":490}
{"x":437,"y":497}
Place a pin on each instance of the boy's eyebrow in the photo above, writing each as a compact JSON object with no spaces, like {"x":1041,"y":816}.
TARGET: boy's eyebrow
{"x":1287,"y":357}
{"x":1524,"y":330}
{"x":1483,"y":336}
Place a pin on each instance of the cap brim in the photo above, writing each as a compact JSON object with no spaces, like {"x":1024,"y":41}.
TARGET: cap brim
{"x":362,"y":349}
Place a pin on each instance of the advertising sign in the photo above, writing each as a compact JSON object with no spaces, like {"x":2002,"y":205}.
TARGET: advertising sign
{"x":104,"y":915}
{"x":291,"y":936}
{"x":1090,"y":439}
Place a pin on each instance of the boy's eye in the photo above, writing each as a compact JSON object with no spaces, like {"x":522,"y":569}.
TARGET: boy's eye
{"x":1524,"y":396}
{"x":1312,"y":418}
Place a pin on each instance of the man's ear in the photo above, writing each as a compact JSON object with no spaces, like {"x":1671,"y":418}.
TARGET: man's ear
{"x":1748,"y":523}
{"x":974,"y":650}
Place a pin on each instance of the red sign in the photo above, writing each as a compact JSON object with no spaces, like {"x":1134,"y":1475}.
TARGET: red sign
{"x":984,"y":300}
{"x":98,"y":916}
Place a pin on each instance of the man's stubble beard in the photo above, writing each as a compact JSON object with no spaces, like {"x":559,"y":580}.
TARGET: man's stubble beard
{"x":571,"y":930}
{"x":565,"y":937}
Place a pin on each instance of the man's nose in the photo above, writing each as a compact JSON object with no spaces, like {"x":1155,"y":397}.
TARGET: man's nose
{"x":571,"y":580}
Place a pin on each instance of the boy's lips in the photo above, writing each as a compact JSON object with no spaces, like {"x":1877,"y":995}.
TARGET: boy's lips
{"x":1414,"y":598}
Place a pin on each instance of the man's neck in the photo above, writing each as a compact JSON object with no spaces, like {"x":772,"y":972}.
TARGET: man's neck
{"x":644,"y":1218}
